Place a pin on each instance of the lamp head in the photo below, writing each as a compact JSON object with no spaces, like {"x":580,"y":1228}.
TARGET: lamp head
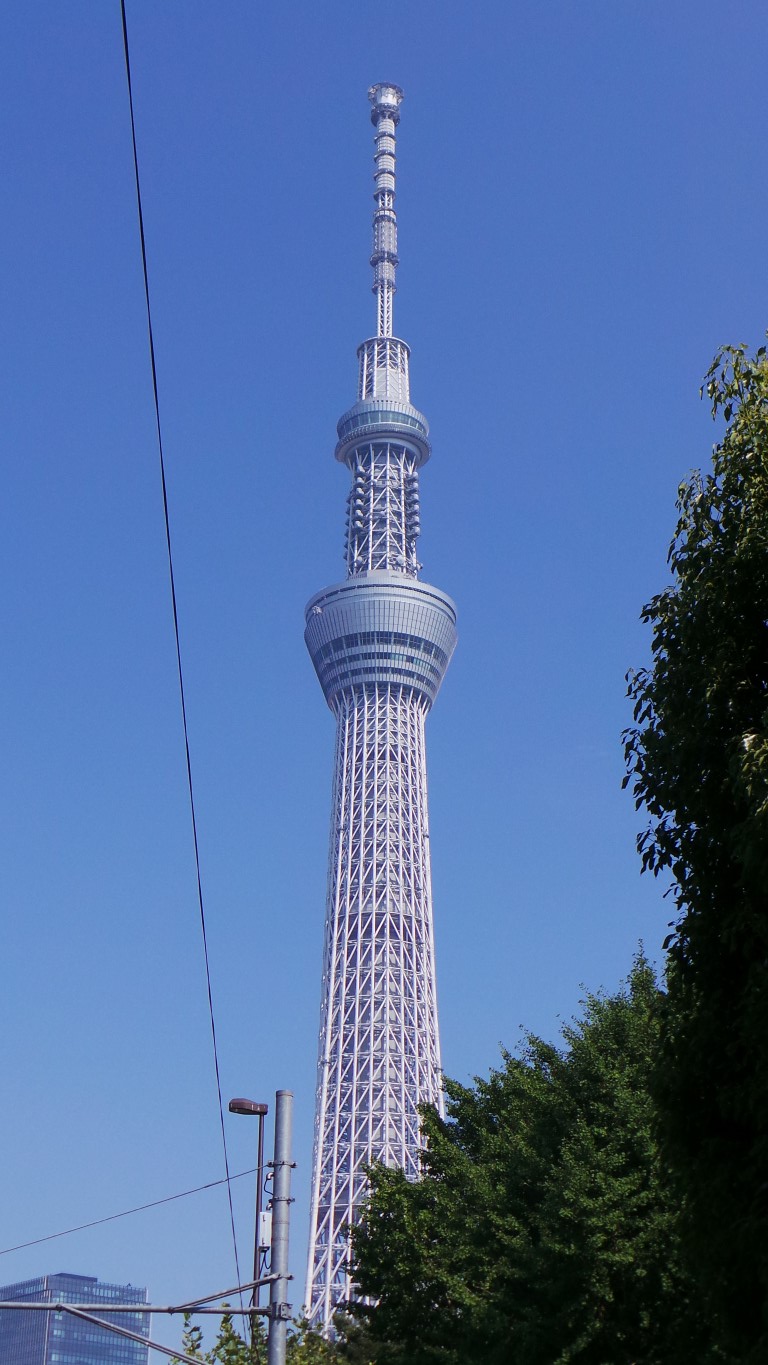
{"x":247,"y":1107}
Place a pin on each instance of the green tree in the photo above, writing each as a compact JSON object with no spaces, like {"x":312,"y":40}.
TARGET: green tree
{"x":229,"y":1348}
{"x":542,"y":1231}
{"x":697,"y":759}
{"x":305,"y":1346}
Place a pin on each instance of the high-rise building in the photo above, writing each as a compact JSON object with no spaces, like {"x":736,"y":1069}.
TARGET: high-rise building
{"x":37,"y":1338}
{"x":380,"y":642}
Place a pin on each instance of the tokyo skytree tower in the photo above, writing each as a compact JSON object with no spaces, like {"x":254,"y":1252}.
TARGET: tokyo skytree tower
{"x":380,"y":643}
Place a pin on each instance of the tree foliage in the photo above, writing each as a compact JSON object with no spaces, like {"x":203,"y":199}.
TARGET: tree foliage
{"x":229,"y":1348}
{"x":697,"y":759}
{"x":305,"y":1346}
{"x":542,"y":1231}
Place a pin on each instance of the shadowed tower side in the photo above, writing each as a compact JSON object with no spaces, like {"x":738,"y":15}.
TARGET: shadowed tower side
{"x":380,"y":643}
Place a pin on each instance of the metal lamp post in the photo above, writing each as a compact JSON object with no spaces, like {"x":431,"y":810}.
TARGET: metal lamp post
{"x":241,"y":1106}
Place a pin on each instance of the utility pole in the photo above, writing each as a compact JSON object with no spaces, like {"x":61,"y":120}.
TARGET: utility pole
{"x":279,"y":1309}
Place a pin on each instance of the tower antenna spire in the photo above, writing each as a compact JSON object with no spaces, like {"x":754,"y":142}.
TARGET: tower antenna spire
{"x":385,"y":116}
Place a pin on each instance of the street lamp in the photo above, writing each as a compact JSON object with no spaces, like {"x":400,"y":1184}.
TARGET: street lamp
{"x":260,"y":1110}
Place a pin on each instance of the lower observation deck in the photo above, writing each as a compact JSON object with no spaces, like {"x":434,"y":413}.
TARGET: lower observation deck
{"x":381,"y":628}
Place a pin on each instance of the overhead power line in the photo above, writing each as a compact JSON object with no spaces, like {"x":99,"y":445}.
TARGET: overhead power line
{"x":176,"y":632}
{"x":110,"y":1218}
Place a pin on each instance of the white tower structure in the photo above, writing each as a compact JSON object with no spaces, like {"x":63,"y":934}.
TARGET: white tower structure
{"x":380,"y":643}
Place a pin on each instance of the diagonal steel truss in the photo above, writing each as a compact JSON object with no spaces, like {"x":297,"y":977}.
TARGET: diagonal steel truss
{"x":379,"y":1050}
{"x":383,"y":509}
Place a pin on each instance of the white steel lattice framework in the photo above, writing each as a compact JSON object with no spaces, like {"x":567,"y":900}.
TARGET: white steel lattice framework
{"x":380,"y":643}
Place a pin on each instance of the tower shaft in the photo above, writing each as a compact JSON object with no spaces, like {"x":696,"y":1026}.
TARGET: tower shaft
{"x":379,"y":1050}
{"x":380,"y":643}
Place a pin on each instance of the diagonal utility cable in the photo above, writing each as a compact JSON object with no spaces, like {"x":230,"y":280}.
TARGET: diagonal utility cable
{"x":176,"y":633}
{"x":110,"y":1218}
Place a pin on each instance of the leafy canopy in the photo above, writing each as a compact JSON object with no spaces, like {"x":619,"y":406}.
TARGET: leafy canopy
{"x":305,"y":1346}
{"x":697,"y":759}
{"x":542,"y":1231}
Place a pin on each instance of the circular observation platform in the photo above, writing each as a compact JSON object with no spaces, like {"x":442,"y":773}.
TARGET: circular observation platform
{"x":381,"y":629}
{"x":383,"y":419}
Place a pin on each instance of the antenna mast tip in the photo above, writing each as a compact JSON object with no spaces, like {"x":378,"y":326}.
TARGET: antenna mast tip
{"x":385,"y":98}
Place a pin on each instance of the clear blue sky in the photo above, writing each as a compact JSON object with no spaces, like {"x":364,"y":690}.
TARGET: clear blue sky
{"x":582,"y":203}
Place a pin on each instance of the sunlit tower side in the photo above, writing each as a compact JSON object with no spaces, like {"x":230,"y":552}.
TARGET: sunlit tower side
{"x":380,"y":643}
